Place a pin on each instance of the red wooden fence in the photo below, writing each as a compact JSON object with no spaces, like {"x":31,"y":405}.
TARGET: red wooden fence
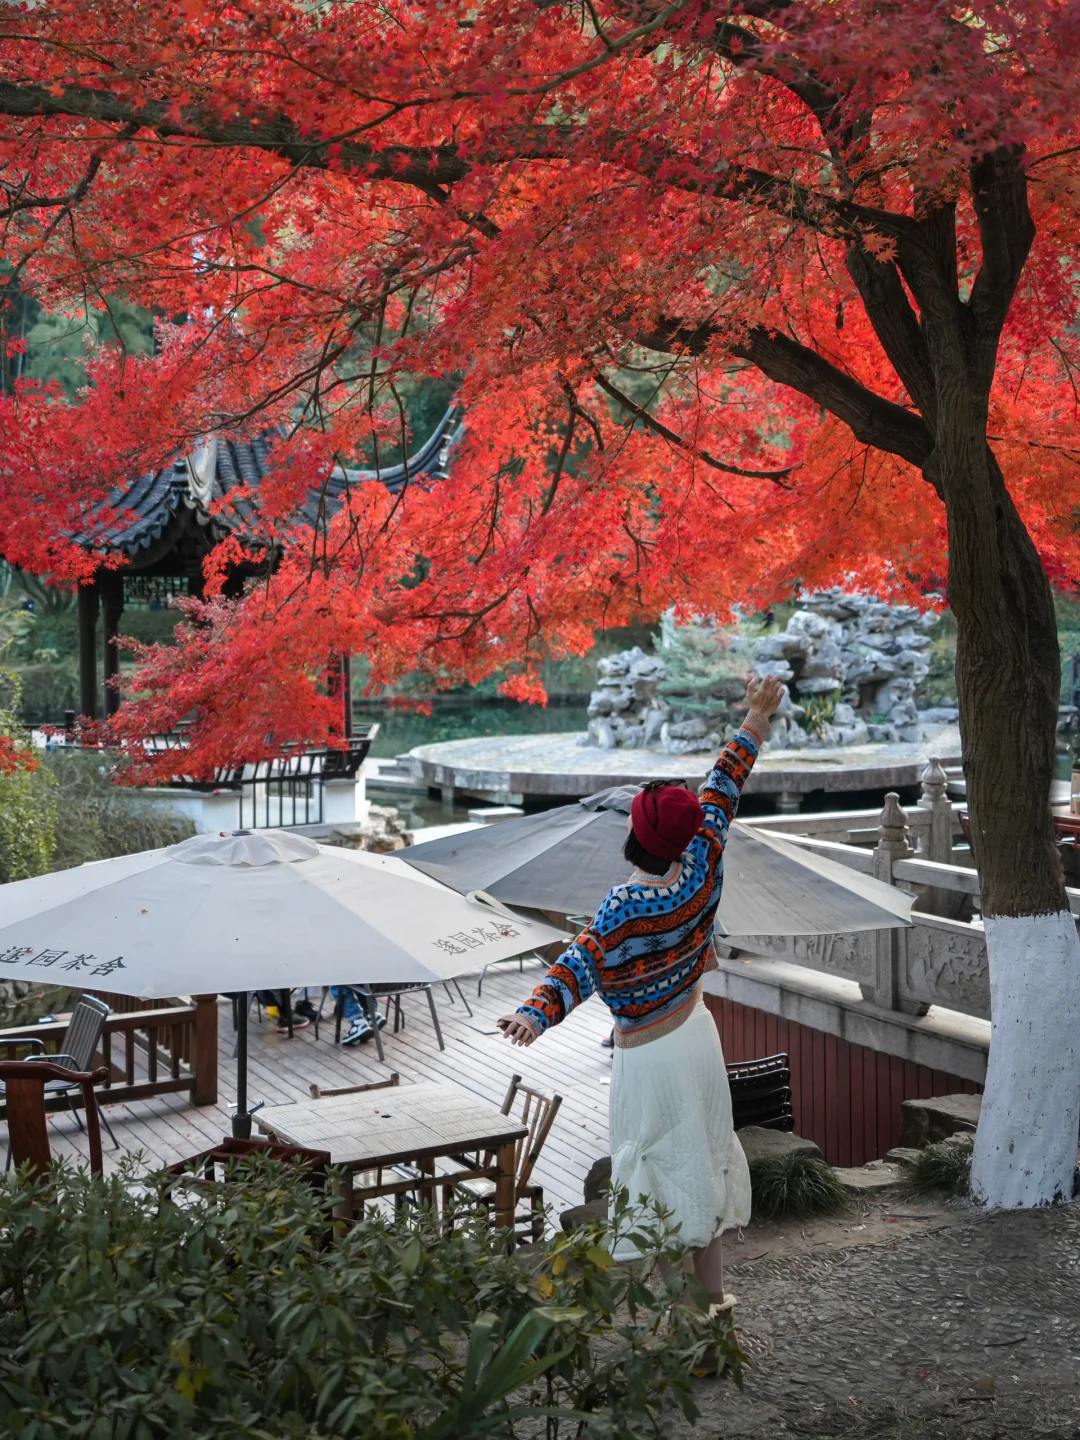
{"x":846,"y":1097}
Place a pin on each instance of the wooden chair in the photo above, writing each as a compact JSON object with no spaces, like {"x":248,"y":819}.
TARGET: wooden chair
{"x":25,"y":1083}
{"x":81,"y":1044}
{"x":538,"y":1113}
{"x":317,"y":1093}
{"x":203,"y":1169}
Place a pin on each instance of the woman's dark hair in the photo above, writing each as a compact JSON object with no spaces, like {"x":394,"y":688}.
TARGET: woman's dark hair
{"x":635,"y":852}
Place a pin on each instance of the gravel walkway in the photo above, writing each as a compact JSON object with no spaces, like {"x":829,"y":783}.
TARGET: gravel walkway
{"x":968,"y":1331}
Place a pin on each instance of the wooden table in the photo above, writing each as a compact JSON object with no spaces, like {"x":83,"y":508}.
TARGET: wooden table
{"x":407,"y":1125}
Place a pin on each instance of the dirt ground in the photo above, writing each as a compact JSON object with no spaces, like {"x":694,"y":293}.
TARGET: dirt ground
{"x":920,"y":1321}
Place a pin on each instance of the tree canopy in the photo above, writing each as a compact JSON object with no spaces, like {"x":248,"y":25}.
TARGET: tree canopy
{"x":719,"y":281}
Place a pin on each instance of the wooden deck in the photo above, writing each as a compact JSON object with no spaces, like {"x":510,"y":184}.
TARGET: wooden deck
{"x":477,"y":1060}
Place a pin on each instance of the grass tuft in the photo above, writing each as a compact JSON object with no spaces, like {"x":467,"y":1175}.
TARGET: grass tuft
{"x":795,"y":1186}
{"x":945,"y":1167}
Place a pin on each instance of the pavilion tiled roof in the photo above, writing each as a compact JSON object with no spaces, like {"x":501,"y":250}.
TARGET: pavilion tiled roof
{"x":188,"y":492}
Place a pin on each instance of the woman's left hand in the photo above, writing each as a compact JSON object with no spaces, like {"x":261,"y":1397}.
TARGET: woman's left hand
{"x":517,"y":1030}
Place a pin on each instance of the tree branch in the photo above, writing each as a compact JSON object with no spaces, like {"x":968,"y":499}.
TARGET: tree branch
{"x":896,"y":325}
{"x":1006,"y":232}
{"x":872,"y":419}
{"x":422,"y":166}
{"x":564,"y":451}
{"x":432,"y":169}
{"x":659,"y":428}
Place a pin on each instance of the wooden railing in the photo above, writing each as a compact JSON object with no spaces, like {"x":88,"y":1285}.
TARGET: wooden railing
{"x":166,"y":1050}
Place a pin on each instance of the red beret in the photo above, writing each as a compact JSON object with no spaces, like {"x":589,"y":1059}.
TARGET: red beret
{"x":666,"y":819}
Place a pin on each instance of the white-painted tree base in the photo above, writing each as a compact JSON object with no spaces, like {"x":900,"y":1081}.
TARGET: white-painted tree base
{"x":1025,"y":1148}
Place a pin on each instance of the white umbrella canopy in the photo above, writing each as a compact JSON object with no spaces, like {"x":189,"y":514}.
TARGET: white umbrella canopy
{"x":566,"y":860}
{"x":772,"y":887}
{"x":246,"y":911}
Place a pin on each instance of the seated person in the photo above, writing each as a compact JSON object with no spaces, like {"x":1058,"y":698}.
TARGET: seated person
{"x":352,"y":1010}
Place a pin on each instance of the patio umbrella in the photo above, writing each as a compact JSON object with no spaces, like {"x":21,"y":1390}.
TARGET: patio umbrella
{"x":565,"y":860}
{"x":248,"y":910}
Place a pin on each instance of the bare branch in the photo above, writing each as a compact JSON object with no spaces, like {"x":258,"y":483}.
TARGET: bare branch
{"x":659,"y":428}
{"x":871,"y":418}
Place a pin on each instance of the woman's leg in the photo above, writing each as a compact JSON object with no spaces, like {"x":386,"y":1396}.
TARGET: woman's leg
{"x":709,"y":1269}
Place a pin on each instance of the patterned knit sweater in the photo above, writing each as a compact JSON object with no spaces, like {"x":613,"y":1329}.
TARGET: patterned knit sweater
{"x":649,"y":945}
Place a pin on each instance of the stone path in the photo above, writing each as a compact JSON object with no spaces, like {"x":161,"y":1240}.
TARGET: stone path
{"x":968,"y":1331}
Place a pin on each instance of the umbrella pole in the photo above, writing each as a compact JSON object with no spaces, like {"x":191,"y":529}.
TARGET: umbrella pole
{"x":241,"y":1124}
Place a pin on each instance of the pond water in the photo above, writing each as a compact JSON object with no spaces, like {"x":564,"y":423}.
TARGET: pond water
{"x":454,"y":718}
{"x":22,"y":1004}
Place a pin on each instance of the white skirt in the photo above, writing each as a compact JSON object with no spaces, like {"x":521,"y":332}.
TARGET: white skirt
{"x":671,"y":1132}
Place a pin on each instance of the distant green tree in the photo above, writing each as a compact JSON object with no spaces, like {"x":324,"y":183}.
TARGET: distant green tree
{"x":706,"y":671}
{"x":51,"y":345}
{"x":27,"y":796}
{"x":99,"y":818}
{"x":56,"y":343}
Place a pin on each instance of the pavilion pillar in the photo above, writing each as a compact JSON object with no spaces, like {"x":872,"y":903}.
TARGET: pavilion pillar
{"x":113,"y":605}
{"x":339,"y":688}
{"x":88,"y":610}
{"x":346,"y":694}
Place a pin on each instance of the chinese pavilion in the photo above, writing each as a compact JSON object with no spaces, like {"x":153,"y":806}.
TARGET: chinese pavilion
{"x":170,"y":521}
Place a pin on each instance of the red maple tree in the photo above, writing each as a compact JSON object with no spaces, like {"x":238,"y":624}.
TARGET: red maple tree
{"x":743,"y":296}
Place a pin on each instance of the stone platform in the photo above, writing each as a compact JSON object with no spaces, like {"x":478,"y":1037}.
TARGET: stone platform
{"x":517,"y":769}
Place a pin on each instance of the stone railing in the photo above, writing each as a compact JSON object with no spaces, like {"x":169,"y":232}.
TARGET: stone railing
{"x":939,"y":960}
{"x":933,"y":824}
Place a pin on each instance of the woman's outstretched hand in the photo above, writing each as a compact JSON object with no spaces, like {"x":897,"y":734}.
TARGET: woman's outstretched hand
{"x":516,"y":1030}
{"x":765,"y":695}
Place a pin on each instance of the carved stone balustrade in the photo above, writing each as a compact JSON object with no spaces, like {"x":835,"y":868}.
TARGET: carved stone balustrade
{"x":938,"y":960}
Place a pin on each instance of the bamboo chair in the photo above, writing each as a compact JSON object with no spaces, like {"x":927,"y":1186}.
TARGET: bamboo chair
{"x":25,"y":1083}
{"x":538,"y":1113}
{"x":317,"y":1093}
{"x":406,"y":1172}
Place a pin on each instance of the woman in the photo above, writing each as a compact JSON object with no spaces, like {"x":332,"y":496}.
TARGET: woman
{"x":645,"y":954}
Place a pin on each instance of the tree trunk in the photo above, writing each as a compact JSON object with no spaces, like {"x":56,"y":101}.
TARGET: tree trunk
{"x":1008,"y":675}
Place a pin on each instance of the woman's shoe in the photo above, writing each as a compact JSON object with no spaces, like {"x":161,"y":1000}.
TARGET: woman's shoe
{"x":709,"y":1363}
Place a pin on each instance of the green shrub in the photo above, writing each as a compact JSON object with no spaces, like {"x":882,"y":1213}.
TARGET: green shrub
{"x":27,"y":823}
{"x":27,"y":796}
{"x":820,"y":711}
{"x":99,"y":818}
{"x":945,"y":1166}
{"x":938,"y":686}
{"x":795,"y":1186}
{"x":132,"y":1312}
